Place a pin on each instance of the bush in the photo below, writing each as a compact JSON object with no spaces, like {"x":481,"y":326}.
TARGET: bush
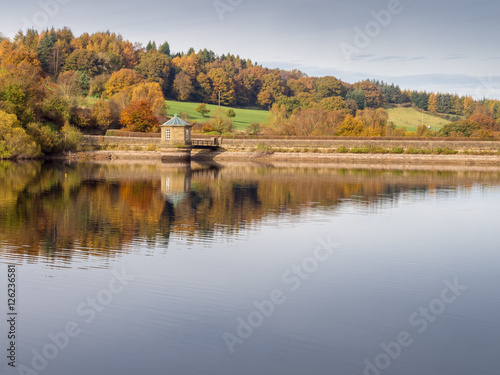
{"x":47,"y":137}
{"x":253,"y":128}
{"x":342,"y":150}
{"x":397,"y":150}
{"x":221,"y":123}
{"x":14,"y":141}
{"x":71,"y":138}
{"x":98,"y":85}
{"x":57,"y":109}
{"x":207,"y":128}
{"x":264,"y":149}
{"x":445,"y":151}
{"x":81,"y":118}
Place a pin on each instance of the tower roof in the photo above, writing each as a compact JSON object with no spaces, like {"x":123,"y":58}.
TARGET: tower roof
{"x":176,"y":121}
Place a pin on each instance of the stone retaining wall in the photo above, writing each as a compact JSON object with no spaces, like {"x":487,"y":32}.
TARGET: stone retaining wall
{"x":311,"y":143}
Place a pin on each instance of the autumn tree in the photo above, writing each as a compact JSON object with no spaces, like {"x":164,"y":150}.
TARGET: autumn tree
{"x":83,"y":61}
{"x":374,"y":121}
{"x":221,"y":87}
{"x":484,"y":121}
{"x":189,"y":64}
{"x":350,"y":127}
{"x":139,"y":117}
{"x":373,"y":95}
{"x":68,"y":84}
{"x":333,"y":104}
{"x":432,"y":107}
{"x":183,"y":87}
{"x":151,"y":91}
{"x":98,"y":85}
{"x":125,"y":78}
{"x":102,"y":114}
{"x":328,"y":86}
{"x":469,"y":106}
{"x":155,"y":67}
{"x":272,"y":88}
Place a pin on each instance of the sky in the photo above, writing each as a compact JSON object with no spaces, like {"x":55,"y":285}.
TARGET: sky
{"x":440,"y":46}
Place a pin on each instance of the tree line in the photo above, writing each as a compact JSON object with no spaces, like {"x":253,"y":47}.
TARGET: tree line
{"x":45,"y":75}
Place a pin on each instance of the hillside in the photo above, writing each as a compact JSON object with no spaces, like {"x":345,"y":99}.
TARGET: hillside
{"x":244,"y":117}
{"x":410,"y":118}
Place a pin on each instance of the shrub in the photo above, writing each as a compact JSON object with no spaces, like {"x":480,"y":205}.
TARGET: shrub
{"x":221,"y":123}
{"x":265,"y":149}
{"x":71,"y":138}
{"x":342,"y":150}
{"x":44,"y":135}
{"x":253,"y":128}
{"x":102,"y":115}
{"x":445,"y":151}
{"x":207,"y":128}
{"x":14,"y":141}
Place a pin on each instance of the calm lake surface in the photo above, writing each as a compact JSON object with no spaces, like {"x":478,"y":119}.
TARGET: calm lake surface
{"x":250,"y":269}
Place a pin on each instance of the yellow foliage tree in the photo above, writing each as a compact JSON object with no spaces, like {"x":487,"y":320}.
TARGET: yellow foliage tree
{"x":350,"y":127}
{"x":432,"y":103}
{"x":121,"y":80}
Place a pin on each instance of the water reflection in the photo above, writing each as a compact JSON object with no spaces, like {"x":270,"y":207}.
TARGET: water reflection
{"x":58,"y":211}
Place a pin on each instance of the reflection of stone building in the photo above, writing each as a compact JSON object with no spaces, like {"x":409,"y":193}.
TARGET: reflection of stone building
{"x":176,"y":186}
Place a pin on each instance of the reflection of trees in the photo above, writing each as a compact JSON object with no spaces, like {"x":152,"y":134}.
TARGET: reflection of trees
{"x":97,"y":210}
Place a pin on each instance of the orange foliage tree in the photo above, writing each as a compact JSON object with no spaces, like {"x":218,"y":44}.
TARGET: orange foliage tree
{"x":139,"y":117}
{"x":484,"y":121}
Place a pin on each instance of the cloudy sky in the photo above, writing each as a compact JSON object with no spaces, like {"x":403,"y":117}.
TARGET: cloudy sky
{"x":445,"y":45}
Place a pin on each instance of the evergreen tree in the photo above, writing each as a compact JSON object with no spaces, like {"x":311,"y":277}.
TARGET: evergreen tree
{"x":45,"y":48}
{"x":358,"y":96}
{"x":443,"y":103}
{"x":165,"y":49}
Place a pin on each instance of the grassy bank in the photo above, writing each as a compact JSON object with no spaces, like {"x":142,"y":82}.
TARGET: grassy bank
{"x":244,"y":117}
{"x":410,"y":118}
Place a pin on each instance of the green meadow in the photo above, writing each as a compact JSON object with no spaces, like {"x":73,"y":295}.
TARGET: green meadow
{"x":410,"y":118}
{"x":244,"y":117}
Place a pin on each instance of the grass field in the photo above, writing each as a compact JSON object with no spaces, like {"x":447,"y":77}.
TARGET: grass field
{"x":244,"y":117}
{"x":411,"y":118}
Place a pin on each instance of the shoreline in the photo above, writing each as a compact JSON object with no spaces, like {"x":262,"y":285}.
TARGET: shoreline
{"x":339,"y":160}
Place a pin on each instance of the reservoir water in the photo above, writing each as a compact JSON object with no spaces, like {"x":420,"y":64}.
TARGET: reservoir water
{"x":249,"y":269}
